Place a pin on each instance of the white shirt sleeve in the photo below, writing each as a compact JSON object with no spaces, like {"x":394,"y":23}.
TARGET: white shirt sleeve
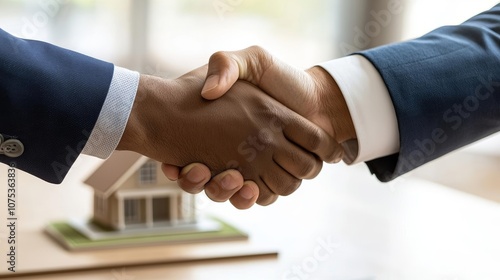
{"x":114,"y":114}
{"x":370,"y":106}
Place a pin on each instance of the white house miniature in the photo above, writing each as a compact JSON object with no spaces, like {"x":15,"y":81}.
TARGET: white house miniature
{"x":131,"y":192}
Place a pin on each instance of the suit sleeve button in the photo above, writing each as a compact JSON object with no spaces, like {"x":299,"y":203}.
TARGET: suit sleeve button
{"x":12,"y":148}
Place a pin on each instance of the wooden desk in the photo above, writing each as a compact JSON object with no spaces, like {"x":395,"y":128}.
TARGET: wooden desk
{"x":409,"y":229}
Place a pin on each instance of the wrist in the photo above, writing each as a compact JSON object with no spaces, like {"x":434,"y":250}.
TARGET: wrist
{"x":136,"y":135}
{"x":333,"y":106}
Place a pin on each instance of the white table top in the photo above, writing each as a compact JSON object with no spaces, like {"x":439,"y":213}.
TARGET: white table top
{"x":408,"y":229}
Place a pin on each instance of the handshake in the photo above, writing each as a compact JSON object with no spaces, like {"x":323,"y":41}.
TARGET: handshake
{"x":246,"y":128}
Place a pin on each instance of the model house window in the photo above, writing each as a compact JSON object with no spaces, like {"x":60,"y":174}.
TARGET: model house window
{"x":132,"y":211}
{"x":147,"y":174}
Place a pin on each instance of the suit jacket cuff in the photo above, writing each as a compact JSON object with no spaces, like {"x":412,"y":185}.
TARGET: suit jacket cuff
{"x":114,"y":114}
{"x":371,"y":109}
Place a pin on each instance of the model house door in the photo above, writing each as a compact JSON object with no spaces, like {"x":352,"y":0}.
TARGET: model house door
{"x":161,"y":209}
{"x":134,"y":211}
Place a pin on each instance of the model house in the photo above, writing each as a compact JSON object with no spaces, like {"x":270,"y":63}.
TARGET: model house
{"x":130,"y":191}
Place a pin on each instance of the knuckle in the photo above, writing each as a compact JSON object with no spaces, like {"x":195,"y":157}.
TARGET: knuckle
{"x":315,"y":140}
{"x":262,"y":60}
{"x":218,"y":57}
{"x":257,"y":49}
{"x":262,"y":54}
{"x":218,"y":54}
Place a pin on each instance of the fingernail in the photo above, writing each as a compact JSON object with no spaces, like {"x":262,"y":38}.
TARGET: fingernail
{"x":226,"y":183}
{"x":211,"y":83}
{"x":246,"y":193}
{"x":195,"y":175}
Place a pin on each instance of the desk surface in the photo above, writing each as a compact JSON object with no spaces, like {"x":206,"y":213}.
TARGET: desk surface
{"x":343,"y":225}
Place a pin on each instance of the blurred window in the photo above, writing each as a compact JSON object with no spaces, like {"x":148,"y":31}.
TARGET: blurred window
{"x":182,"y":34}
{"x":425,"y":15}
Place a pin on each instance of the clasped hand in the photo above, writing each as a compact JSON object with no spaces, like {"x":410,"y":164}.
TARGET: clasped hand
{"x":259,"y":127}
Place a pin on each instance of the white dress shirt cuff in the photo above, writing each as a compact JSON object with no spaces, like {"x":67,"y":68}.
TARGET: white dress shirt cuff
{"x":370,"y":106}
{"x":114,"y":114}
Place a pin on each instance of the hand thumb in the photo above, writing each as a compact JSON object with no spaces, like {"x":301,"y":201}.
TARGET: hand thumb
{"x":223,"y":72}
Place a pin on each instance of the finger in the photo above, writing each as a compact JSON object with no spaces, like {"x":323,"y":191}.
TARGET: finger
{"x":193,"y":178}
{"x":170,"y":171}
{"x":279,"y":181}
{"x":246,"y":196}
{"x":223,"y":72}
{"x":298,"y":162}
{"x":224,"y":185}
{"x":314,"y":139}
{"x":266,"y":195}
{"x":225,"y":68}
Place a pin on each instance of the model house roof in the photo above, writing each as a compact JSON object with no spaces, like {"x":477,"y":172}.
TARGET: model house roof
{"x":114,"y":171}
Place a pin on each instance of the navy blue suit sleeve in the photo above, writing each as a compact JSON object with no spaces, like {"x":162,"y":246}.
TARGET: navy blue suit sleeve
{"x":50,"y":99}
{"x":445,"y":87}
